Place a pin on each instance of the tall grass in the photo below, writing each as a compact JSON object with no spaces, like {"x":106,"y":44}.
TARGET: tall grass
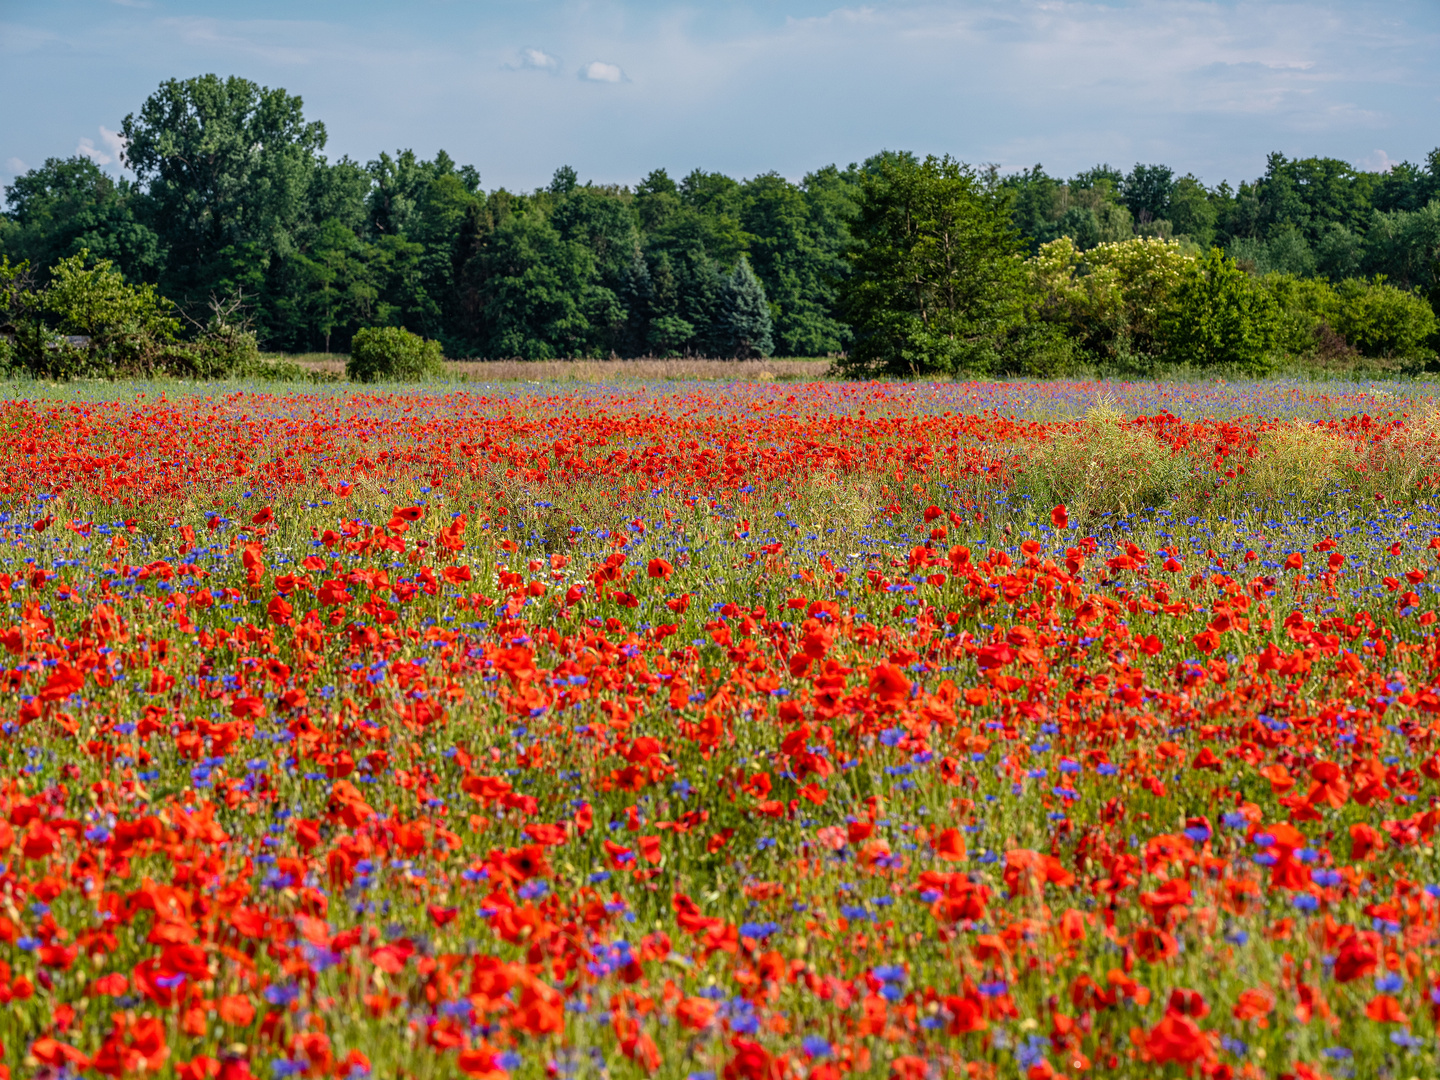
{"x":1101,"y":464}
{"x":680,"y":369}
{"x":1296,"y":459}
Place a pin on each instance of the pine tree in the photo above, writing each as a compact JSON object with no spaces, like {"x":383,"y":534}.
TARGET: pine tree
{"x":743,"y":327}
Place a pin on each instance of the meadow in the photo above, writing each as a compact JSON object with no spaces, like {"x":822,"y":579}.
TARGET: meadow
{"x":330,"y":367}
{"x":729,"y":731}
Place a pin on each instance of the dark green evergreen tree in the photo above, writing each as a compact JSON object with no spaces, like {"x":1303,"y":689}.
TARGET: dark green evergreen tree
{"x":743,"y":327}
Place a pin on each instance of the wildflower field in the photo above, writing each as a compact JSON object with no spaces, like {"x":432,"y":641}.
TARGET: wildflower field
{"x":732,"y":732}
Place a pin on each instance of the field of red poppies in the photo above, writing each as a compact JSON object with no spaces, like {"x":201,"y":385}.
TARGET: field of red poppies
{"x":731,"y":733}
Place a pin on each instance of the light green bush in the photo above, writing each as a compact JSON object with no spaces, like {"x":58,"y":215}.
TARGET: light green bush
{"x":393,"y":354}
{"x":129,"y":326}
{"x":1110,"y":299}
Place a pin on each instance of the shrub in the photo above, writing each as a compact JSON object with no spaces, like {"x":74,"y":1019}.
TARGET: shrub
{"x":393,"y":354}
{"x":1110,"y":299}
{"x":225,"y":350}
{"x":1385,"y":322}
{"x":1305,"y":310}
{"x":1219,"y":316}
{"x":129,"y":326}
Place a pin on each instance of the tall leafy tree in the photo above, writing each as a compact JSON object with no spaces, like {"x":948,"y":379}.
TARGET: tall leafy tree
{"x":1037,"y":201}
{"x":657,"y":198}
{"x":68,"y":206}
{"x":1404,"y":246}
{"x":533,"y":291}
{"x":1408,"y":186}
{"x":1146,"y":191}
{"x":228,"y":167}
{"x":1193,"y":211}
{"x":936,"y":280}
{"x":340,"y":284}
{"x":1309,"y":194}
{"x":792,"y":262}
{"x":603,"y":219}
{"x":667,"y":332}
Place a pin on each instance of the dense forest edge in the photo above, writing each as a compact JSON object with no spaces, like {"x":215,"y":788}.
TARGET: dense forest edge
{"x":237,"y":235}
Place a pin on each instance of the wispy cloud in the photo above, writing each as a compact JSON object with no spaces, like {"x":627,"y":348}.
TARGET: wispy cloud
{"x":537,"y":60}
{"x":1379,"y":161}
{"x":111,"y":150}
{"x":599,"y":71}
{"x":1207,"y":86}
{"x":273,"y":41}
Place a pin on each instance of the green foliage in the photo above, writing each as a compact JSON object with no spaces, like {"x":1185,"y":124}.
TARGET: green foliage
{"x":1356,"y":320}
{"x":1147,"y":190}
{"x":1286,"y":252}
{"x":1087,"y":209}
{"x":1340,"y":252}
{"x":227,"y":349}
{"x":1219,"y":316}
{"x":1111,"y":300}
{"x":228,"y":167}
{"x":96,"y":301}
{"x":1404,"y":246}
{"x":127,"y":326}
{"x":1308,"y":194}
{"x":393,"y":354}
{"x":1385,"y":322}
{"x":233,"y":196}
{"x":531,"y":291}
{"x":1192,"y":211}
{"x":744,"y":327}
{"x":796,"y":260}
{"x":1305,"y":316}
{"x":88,"y":321}
{"x":31,"y":345}
{"x":67,"y":206}
{"x":936,"y":281}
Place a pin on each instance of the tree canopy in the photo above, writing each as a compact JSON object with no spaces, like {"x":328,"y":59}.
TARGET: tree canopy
{"x":898,"y":264}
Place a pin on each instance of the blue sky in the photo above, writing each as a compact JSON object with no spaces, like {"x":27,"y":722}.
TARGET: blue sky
{"x":618,"y":87}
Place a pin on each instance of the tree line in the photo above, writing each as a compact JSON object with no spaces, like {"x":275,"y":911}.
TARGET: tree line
{"x":896,"y":264}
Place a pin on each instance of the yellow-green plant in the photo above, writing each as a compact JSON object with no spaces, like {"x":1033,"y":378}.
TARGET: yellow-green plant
{"x":1103,"y":463}
{"x":1298,"y":459}
{"x":1112,"y":297}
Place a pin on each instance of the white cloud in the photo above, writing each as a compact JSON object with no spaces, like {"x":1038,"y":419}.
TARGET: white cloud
{"x":16,"y":166}
{"x":599,"y":71}
{"x":110,"y":151}
{"x":1379,"y":161}
{"x":271,"y":41}
{"x":87,"y":148}
{"x":538,"y":60}
{"x":1205,"y":86}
